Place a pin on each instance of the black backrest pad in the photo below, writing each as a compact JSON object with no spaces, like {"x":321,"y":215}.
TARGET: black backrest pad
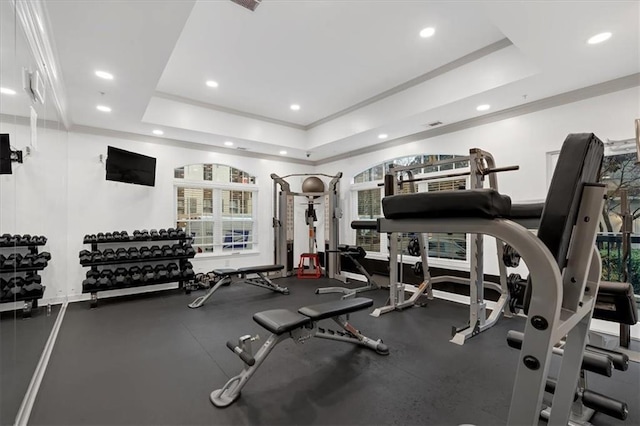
{"x":579,"y":162}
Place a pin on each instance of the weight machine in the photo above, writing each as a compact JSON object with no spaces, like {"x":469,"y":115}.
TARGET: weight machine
{"x":283,"y":219}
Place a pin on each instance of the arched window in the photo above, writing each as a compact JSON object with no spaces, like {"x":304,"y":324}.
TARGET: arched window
{"x":216,"y":204}
{"x":367,"y":195}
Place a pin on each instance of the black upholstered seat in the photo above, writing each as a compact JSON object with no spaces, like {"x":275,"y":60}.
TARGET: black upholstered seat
{"x":616,"y":302}
{"x":485,"y":203}
{"x":280,"y":321}
{"x":263,"y":268}
{"x":224,"y":271}
{"x":335,"y":308}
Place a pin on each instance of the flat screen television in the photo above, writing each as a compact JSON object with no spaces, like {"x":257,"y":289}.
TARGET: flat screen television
{"x":129,"y":167}
{"x":5,"y":154}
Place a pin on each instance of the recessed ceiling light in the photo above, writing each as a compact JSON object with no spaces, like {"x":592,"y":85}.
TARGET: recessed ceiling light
{"x":103,"y":108}
{"x":427,"y":32}
{"x":228,"y":143}
{"x":105,"y":75}
{"x":212,"y":83}
{"x":158,"y":132}
{"x":295,"y":107}
{"x":7,"y":91}
{"x":283,"y":152}
{"x":383,"y":136}
{"x":599,"y":38}
{"x":483,"y":107}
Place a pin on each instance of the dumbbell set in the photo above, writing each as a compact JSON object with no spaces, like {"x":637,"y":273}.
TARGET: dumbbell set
{"x":135,"y":254}
{"x":21,"y":288}
{"x":8,"y":240}
{"x":143,"y":235}
{"x":109,"y":279}
{"x":19,"y":262}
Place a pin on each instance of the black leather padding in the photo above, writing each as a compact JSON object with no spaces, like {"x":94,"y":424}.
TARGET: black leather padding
{"x":335,"y":308}
{"x":223,"y":272}
{"x":280,"y":321}
{"x":364,"y":224}
{"x":616,"y":302}
{"x":482,"y":203}
{"x":263,"y":268}
{"x":526,"y":211}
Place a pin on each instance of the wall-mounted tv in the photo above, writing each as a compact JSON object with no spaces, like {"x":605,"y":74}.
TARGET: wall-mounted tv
{"x":5,"y":154}
{"x":129,"y":167}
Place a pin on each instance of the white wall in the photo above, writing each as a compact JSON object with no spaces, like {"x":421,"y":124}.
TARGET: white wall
{"x":524,"y":140}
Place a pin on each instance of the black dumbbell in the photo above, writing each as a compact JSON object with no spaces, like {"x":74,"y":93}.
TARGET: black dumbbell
{"x":105,"y":278}
{"x":87,"y":238}
{"x":17,"y":239}
{"x":154,"y":234}
{"x":91,"y":273}
{"x":124,"y":236}
{"x":144,"y":234}
{"x":133,"y":253}
{"x":156,"y":251}
{"x":187,"y":272}
{"x":121,"y":254}
{"x":180,"y":233}
{"x":108,"y":255}
{"x":161,"y":272}
{"x":33,"y":286}
{"x":174,"y":270}
{"x":166,"y":251}
{"x":96,"y":256}
{"x":147,"y":273}
{"x":116,"y":235}
{"x":15,"y":286}
{"x":85,"y":256}
{"x":178,"y":250}
{"x":108,"y":236}
{"x":5,"y":239}
{"x":100,"y":237}
{"x":42,"y":240}
{"x":120,"y":277}
{"x":92,"y":238}
{"x":27,"y":260}
{"x":26,"y":239}
{"x":12,"y":261}
{"x":136,"y":275}
{"x":39,"y":261}
{"x":136,"y":234}
{"x":145,"y":253}
{"x":189,"y":251}
{"x":163,"y":234}
{"x":46,"y":255}
{"x":89,"y":284}
{"x":172,"y":233}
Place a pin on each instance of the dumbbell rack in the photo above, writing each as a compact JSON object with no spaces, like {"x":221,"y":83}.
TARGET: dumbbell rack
{"x":30,"y":300}
{"x":182,"y":261}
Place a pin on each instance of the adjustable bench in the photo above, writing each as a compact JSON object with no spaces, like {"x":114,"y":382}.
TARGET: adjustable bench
{"x":352,"y":253}
{"x":225,"y":276}
{"x":299,"y":326}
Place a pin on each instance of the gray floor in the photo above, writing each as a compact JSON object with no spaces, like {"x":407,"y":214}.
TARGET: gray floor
{"x":21,"y":344}
{"x":151,"y":360}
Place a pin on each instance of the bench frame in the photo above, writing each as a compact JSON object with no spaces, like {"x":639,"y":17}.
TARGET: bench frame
{"x":350,"y":292}
{"x":226,"y":277}
{"x":230,"y":392}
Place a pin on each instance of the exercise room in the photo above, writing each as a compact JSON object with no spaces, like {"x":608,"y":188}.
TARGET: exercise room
{"x":319,"y":212}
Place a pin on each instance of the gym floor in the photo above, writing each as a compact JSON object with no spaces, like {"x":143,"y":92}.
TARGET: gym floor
{"x":148,"y":360}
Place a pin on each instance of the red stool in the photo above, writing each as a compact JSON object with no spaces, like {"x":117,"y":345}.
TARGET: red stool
{"x":314,"y":270}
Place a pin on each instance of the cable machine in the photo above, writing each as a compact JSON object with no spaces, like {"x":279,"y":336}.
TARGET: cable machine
{"x":313,"y":188}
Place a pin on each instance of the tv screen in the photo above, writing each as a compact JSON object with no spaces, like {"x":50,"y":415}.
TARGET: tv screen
{"x":129,"y":167}
{"x":5,"y":154}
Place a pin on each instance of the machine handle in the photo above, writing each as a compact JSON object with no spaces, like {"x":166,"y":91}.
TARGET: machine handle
{"x":605,"y":405}
{"x":499,"y":169}
{"x":244,"y":356}
{"x":620,"y":360}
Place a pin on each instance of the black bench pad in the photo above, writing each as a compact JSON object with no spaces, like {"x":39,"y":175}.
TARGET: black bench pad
{"x":263,"y":268}
{"x":364,"y":224}
{"x":225,"y":272}
{"x":280,"y":321}
{"x":526,"y":211}
{"x":483,"y":203}
{"x":335,"y":308}
{"x":616,"y":303}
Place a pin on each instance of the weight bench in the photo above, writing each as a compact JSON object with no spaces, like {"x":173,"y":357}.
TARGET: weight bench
{"x":353,"y":253}
{"x":299,"y":326}
{"x":225,"y":276}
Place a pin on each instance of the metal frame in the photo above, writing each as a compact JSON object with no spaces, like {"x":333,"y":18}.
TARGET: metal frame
{"x":481,"y":164}
{"x":561,"y":303}
{"x":261,"y":281}
{"x":230,"y":392}
{"x":283,"y":226}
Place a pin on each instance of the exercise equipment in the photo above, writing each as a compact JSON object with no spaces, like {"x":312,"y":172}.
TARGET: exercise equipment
{"x":133,"y":253}
{"x":353,"y":254}
{"x":120,"y":277}
{"x":299,"y":326}
{"x":253,"y":275}
{"x":564,"y":265}
{"x":283,"y":219}
{"x":122,"y":254}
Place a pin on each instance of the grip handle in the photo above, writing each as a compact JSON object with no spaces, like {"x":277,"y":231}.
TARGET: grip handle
{"x":620,"y":360}
{"x":245,"y":357}
{"x":605,"y":405}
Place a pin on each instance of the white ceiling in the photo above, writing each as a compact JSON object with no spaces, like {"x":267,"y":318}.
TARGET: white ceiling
{"x":361,"y":64}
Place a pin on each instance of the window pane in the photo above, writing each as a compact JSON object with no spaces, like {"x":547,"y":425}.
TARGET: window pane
{"x":446,"y":166}
{"x":369,"y":206}
{"x":368,"y":239}
{"x":178,"y":173}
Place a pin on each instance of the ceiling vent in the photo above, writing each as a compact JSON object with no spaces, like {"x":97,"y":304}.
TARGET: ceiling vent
{"x":248,"y":4}
{"x":435,"y":123}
